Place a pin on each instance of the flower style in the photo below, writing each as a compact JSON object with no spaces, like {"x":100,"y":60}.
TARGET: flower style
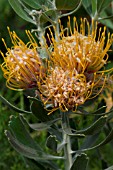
{"x":22,"y":65}
{"x":75,"y":69}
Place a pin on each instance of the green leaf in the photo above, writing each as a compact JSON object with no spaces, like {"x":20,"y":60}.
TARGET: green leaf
{"x":47,"y":15}
{"x":43,"y":126}
{"x":35,"y":164}
{"x":89,"y":141}
{"x":66,"y":4}
{"x":95,"y":127}
{"x":55,"y":132}
{"x":80,"y":163}
{"x":66,"y":126}
{"x":36,"y":4}
{"x":99,"y":111}
{"x":106,"y":20}
{"x":110,"y":168}
{"x":12,"y":106}
{"x":38,"y":110}
{"x":95,"y":7}
{"x":82,"y":111}
{"x":101,"y":5}
{"x":88,"y":6}
{"x":20,"y":11}
{"x":51,"y":143}
{"x":17,"y":126}
{"x":28,"y":151}
{"x":39,"y":4}
{"x":22,"y":142}
{"x":104,"y":142}
{"x":22,"y":148}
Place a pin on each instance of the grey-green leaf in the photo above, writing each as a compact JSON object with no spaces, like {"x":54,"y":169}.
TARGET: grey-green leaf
{"x":99,"y":111}
{"x":95,"y":7}
{"x":38,"y":110}
{"x":95,"y":127}
{"x":39,"y":4}
{"x":20,"y":11}
{"x":36,"y":4}
{"x":104,"y":142}
{"x":110,"y":168}
{"x":22,"y":148}
{"x":7,"y":103}
{"x":22,"y":142}
{"x":51,"y":143}
{"x":43,"y":126}
{"x":88,"y":6}
{"x":80,"y":163}
{"x":101,"y":5}
{"x":17,"y":126}
{"x":66,"y":5}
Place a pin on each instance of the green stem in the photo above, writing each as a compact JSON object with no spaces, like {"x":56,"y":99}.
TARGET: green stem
{"x":67,"y":152}
{"x":66,"y":138}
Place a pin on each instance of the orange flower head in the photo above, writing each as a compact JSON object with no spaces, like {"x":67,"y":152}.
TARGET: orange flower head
{"x":75,"y":69}
{"x":22,"y":64}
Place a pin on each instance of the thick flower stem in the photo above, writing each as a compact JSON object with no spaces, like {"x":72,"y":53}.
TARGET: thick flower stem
{"x":67,"y":152}
{"x":66,"y":138}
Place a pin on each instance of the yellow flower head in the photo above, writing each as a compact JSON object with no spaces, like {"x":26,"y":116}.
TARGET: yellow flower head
{"x":22,"y":65}
{"x":75,"y":67}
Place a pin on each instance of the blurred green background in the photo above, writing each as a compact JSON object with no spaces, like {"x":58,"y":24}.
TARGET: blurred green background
{"x":9,"y":158}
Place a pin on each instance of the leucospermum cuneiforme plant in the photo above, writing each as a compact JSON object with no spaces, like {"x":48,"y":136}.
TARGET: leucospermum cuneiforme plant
{"x":66,"y":70}
{"x":22,"y":65}
{"x":74,"y":67}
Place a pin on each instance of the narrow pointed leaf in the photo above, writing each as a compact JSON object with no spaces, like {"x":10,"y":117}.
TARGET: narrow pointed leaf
{"x":101,"y":5}
{"x":43,"y":126}
{"x":38,"y":110}
{"x":95,"y":127}
{"x":39,"y":4}
{"x":17,"y":126}
{"x":100,"y":111}
{"x":89,"y":141}
{"x":55,"y":132}
{"x":82,"y":110}
{"x":88,"y":6}
{"x":34,"y":3}
{"x":41,"y":165}
{"x":66,"y":5}
{"x":22,"y":148}
{"x":20,"y":11}
{"x":104,"y":142}
{"x":12,"y":106}
{"x":51,"y":143}
{"x":28,"y":151}
{"x":35,"y":164}
{"x":80,"y":163}
{"x":110,"y":168}
{"x":95,"y":7}
{"x":50,"y":14}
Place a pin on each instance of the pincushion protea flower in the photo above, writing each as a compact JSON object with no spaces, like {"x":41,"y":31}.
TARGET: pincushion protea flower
{"x":75,"y":68}
{"x":22,"y":65}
